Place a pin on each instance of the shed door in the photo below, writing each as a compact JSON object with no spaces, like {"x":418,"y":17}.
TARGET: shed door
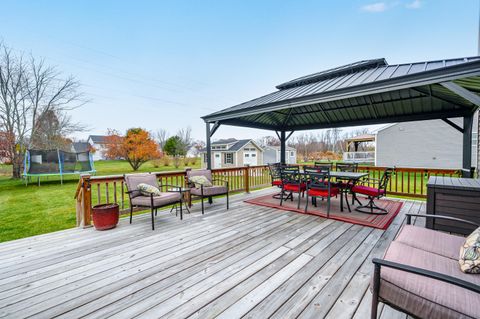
{"x":250,"y":158}
{"x":217,"y":160}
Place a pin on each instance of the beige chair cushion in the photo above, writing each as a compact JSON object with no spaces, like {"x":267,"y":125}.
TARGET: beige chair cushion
{"x":470,"y":254}
{"x":430,"y":240}
{"x":425,"y":297}
{"x":158,"y":201}
{"x":209,"y":191}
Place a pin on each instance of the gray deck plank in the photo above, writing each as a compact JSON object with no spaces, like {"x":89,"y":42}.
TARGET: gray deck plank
{"x":250,"y":261}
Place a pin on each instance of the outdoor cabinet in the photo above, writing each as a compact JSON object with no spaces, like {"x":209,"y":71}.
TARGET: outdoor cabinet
{"x":455,"y":197}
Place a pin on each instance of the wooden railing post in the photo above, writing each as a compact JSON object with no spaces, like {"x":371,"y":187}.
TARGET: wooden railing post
{"x":247,"y":178}
{"x":87,"y":201}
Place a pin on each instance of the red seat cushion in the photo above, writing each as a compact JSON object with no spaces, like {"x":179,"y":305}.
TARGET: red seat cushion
{"x":294,"y":187}
{"x":369,"y":191}
{"x":277,"y":183}
{"x":323,"y":192}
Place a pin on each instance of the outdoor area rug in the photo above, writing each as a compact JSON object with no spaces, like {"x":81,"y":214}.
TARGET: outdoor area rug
{"x":354,"y":217}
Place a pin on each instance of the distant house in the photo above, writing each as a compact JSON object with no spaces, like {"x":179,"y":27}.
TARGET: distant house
{"x":428,"y":144}
{"x":99,"y":144}
{"x":232,"y":152}
{"x":79,"y":147}
{"x":271,"y":154}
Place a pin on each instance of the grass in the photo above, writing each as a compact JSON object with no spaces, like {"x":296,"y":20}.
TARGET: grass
{"x":33,"y":210}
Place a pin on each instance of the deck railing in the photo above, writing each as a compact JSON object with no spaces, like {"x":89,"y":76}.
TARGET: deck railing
{"x":93,"y":190}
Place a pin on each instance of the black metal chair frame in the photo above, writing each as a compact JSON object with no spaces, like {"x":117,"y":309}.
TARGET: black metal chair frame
{"x":153,"y":207}
{"x":210,"y":197}
{"x":379,"y":263}
{"x":274,"y":171}
{"x":319,"y":179}
{"x":371,"y":207}
{"x":290,"y":175}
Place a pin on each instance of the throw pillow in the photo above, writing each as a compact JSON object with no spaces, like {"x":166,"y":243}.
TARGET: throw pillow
{"x":470,"y":253}
{"x":200,"y":180}
{"x":146,"y":190}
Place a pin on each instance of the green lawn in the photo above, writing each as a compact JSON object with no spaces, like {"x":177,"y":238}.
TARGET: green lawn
{"x":32,"y":210}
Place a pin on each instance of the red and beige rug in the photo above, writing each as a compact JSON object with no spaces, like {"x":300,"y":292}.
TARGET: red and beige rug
{"x":354,"y":217}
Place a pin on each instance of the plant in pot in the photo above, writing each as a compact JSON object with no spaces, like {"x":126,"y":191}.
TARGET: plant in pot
{"x":105,"y":216}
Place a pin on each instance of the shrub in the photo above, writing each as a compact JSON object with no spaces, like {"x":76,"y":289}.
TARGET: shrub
{"x":157,"y":162}
{"x":166,"y":160}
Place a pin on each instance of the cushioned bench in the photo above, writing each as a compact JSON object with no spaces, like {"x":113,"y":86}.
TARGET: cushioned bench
{"x":420,"y":275}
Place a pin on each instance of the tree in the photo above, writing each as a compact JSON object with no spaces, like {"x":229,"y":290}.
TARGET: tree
{"x":161,"y":137}
{"x":186,"y":141}
{"x":31,"y":93}
{"x":174,"y":146}
{"x":138,"y":147}
{"x":114,"y":145}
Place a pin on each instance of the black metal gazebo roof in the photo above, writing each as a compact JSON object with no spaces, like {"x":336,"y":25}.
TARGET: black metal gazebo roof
{"x":363,"y":93}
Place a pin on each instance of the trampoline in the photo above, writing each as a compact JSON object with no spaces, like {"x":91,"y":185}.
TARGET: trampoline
{"x":56,"y":163}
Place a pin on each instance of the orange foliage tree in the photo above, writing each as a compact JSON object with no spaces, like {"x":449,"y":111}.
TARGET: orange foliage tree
{"x":114,"y":145}
{"x":137,"y":147}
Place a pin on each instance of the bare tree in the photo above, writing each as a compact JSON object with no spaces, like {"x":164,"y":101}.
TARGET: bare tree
{"x":186,"y":140}
{"x":161,"y":136}
{"x":29,"y":93}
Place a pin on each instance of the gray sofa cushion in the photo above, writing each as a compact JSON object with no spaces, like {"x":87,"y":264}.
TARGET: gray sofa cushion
{"x":432,"y":241}
{"x":425,"y":297}
{"x":162,"y":200}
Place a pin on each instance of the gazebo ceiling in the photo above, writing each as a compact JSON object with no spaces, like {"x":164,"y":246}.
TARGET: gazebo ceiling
{"x":361,"y":93}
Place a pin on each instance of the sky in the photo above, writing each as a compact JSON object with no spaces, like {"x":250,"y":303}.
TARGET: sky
{"x":164,"y":64}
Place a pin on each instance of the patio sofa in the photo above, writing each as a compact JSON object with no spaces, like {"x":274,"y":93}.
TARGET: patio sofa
{"x":420,"y":275}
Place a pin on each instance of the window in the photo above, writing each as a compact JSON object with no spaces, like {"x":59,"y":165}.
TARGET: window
{"x":228,"y":159}
{"x":291,"y":154}
{"x":247,"y":155}
{"x":205,"y":157}
{"x":254,"y":155}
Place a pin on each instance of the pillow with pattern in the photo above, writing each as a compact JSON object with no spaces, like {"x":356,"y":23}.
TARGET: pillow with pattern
{"x":200,"y":180}
{"x":470,"y":253}
{"x":146,"y":190}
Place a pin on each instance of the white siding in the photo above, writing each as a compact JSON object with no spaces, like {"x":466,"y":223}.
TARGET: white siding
{"x":429,"y":144}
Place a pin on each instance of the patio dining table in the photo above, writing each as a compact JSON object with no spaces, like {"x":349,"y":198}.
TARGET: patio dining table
{"x":348,"y":177}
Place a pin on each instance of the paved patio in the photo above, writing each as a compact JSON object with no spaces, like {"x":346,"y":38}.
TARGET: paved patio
{"x":250,"y":261}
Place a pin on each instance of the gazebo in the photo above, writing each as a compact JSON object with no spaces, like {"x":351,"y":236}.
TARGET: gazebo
{"x":363,"y":93}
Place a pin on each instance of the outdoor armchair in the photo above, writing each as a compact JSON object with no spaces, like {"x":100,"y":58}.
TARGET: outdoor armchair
{"x":420,"y":274}
{"x":366,"y":188}
{"x":137,"y":199}
{"x":219,"y":187}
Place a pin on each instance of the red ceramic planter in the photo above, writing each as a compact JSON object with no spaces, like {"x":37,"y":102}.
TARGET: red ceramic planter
{"x":105,"y":216}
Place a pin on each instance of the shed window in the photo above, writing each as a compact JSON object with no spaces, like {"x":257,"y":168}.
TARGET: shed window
{"x":228,"y":159}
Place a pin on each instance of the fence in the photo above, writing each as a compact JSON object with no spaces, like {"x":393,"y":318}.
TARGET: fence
{"x":359,"y":157}
{"x":93,"y":190}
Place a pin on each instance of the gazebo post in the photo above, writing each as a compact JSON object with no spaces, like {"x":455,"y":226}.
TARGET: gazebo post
{"x":467,"y":146}
{"x":283,"y":147}
{"x":208,"y":146}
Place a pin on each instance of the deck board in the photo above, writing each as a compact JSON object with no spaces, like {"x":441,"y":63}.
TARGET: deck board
{"x":249,"y":261}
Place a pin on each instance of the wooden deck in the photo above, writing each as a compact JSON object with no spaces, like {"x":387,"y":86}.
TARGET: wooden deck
{"x":251,"y":262}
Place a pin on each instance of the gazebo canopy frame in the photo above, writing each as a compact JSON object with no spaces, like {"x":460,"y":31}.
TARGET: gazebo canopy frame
{"x":364,"y":93}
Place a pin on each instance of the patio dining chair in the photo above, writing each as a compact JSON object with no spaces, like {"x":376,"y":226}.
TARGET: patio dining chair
{"x":372,"y":193}
{"x":292,"y":182}
{"x":274,"y":171}
{"x":346,"y":167}
{"x":323,"y":165}
{"x":208,"y":190}
{"x":137,"y":199}
{"x":319,"y":185}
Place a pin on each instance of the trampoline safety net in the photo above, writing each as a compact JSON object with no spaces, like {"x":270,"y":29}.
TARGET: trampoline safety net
{"x":56,"y":162}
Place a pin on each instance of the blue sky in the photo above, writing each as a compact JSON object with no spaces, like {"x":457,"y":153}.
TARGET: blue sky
{"x":164,"y":64}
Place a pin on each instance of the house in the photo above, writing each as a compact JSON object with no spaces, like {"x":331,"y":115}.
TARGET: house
{"x":99,"y":144}
{"x":271,"y":154}
{"x":428,"y":144}
{"x":232,"y":152}
{"x":79,"y":147}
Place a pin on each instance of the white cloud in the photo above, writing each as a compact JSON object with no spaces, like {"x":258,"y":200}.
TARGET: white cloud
{"x":415,"y":4}
{"x":375,"y":7}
